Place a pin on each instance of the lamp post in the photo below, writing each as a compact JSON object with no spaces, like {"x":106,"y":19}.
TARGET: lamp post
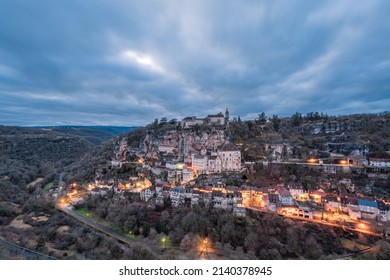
{"x":164,"y":242}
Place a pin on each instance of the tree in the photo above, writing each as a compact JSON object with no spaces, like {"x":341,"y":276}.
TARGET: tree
{"x":284,"y":152}
{"x":262,"y":118}
{"x":163,"y":121}
{"x":275,"y":122}
{"x":173,"y":121}
{"x":145,"y":230}
{"x":296,"y":119}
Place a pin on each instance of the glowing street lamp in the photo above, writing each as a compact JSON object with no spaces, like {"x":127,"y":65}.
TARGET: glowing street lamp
{"x":164,"y":241}
{"x":205,"y":244}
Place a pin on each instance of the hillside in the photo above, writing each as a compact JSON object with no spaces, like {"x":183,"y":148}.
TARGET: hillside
{"x":305,"y":135}
{"x":30,"y":158}
{"x":94,"y":134}
{"x":294,"y":138}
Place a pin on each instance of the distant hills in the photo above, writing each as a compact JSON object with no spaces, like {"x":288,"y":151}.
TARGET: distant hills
{"x":94,"y":134}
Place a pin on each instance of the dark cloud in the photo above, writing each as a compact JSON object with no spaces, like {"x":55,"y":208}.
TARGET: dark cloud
{"x":127,"y":63}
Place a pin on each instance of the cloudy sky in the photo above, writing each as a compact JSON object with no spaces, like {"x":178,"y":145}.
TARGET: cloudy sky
{"x":118,"y":62}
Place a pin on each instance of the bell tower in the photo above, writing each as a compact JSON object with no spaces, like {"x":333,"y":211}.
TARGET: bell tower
{"x":227,"y":118}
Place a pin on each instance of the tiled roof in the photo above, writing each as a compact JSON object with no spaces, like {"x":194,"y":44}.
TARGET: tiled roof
{"x":369,"y":203}
{"x":380,"y":159}
{"x":229,"y":147}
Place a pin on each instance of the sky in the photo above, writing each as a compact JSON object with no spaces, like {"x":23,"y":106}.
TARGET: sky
{"x":117,"y":62}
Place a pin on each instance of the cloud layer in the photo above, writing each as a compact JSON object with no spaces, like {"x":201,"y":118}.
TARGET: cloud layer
{"x":128,"y":62}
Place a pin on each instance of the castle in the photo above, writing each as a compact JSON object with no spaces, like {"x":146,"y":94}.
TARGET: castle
{"x":218,"y":119}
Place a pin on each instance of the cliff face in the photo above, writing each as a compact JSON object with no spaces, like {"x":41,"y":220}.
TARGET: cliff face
{"x":183,"y":142}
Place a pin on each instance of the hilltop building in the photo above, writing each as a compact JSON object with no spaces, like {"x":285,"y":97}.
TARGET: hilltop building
{"x":217,"y":119}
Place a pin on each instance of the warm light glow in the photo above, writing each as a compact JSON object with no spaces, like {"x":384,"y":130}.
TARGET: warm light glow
{"x":312,"y":160}
{"x":202,"y":247}
{"x":343,"y":162}
{"x":362,"y":226}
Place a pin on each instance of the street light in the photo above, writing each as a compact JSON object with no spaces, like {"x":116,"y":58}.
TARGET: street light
{"x":164,"y":241}
{"x":205,"y":241}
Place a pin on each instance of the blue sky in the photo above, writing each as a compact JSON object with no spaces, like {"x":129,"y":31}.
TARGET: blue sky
{"x":117,"y":62}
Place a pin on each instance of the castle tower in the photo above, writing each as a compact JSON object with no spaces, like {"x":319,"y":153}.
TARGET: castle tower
{"x":227,"y":118}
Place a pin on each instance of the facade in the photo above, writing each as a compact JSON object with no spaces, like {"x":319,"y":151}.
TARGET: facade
{"x":379,"y":162}
{"x":332,"y":204}
{"x":231,"y":157}
{"x":177,"y":196}
{"x":191,"y":121}
{"x":199,"y":163}
{"x":298,"y":193}
{"x":368,"y":208}
{"x":217,"y":119}
{"x":354,"y":212}
{"x":228,"y":158}
{"x":284,"y":196}
{"x":166,"y":148}
{"x":296,"y":212}
{"x":214,"y":164}
{"x":317,"y":196}
{"x":147,"y":194}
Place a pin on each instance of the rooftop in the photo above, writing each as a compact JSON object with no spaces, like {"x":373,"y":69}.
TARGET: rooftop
{"x":228,"y":147}
{"x":380,"y":159}
{"x":369,"y":203}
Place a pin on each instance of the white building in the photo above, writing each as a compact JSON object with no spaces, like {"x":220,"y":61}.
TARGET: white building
{"x":166,"y":148}
{"x":218,"y":119}
{"x":368,"y":208}
{"x":177,"y":196}
{"x":147,"y":194}
{"x":191,"y":121}
{"x":285,"y":197}
{"x":231,"y":157}
{"x":199,"y":163}
{"x":214,"y":164}
{"x":379,"y":162}
{"x":298,"y":193}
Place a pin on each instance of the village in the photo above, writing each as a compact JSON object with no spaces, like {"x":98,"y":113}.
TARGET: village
{"x":186,"y":169}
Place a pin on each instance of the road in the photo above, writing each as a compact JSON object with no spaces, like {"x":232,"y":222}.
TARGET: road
{"x":25,"y":252}
{"x":66,"y":208}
